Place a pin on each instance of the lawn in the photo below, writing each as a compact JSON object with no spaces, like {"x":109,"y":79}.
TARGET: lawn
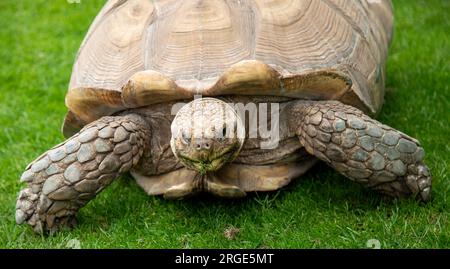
{"x":38,"y":42}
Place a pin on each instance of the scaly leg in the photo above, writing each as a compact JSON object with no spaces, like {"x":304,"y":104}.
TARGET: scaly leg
{"x":65,"y":178}
{"x":361,"y":148}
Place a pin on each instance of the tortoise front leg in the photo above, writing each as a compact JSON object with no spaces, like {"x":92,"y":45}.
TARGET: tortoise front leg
{"x":361,"y":148}
{"x":65,"y":178}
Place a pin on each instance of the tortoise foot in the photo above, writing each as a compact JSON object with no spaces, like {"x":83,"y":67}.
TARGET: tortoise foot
{"x":43,"y":214}
{"x":417,"y":181}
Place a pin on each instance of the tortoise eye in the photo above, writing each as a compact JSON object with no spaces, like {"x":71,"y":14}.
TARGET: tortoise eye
{"x":185,"y":138}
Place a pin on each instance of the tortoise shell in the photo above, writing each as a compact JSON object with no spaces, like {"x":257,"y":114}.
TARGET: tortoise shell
{"x":142,"y":52}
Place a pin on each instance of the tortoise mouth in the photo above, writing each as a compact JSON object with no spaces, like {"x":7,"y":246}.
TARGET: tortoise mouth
{"x":210,"y":164}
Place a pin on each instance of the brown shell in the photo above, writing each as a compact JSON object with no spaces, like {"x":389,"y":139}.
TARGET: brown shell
{"x":141,"y":52}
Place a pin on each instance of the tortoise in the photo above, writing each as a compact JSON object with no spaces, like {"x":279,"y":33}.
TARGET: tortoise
{"x":156,"y":87}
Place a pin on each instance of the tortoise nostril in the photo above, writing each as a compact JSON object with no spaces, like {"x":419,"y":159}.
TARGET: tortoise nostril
{"x":202,"y":145}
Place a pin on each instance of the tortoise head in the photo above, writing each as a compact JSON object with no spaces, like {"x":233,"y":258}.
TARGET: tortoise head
{"x":206,"y":134}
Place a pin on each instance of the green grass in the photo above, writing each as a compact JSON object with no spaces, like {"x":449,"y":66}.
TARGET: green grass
{"x":38,"y":43}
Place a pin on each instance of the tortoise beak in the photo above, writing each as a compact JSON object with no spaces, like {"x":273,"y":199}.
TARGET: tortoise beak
{"x":207,"y":164}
